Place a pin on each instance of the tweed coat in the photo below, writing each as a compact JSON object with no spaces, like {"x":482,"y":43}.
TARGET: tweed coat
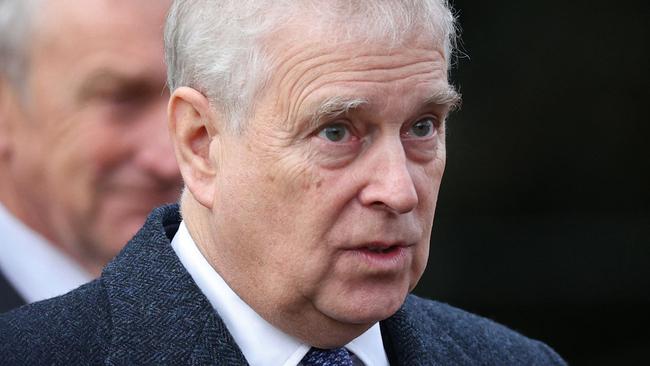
{"x":145,"y":309}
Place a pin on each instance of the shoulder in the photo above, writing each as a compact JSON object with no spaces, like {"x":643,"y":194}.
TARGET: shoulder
{"x":68,"y":329}
{"x":139,"y":294}
{"x":478,"y":339}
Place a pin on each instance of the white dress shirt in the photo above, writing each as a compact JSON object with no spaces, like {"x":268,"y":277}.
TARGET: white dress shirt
{"x":35,"y":267}
{"x":260,"y":342}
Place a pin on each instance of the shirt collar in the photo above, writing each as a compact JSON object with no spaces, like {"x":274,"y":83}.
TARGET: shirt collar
{"x":248,"y":328}
{"x":34,"y":266}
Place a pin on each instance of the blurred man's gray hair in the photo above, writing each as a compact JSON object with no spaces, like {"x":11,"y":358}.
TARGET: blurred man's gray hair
{"x":217,"y":47}
{"x":15,"y":31}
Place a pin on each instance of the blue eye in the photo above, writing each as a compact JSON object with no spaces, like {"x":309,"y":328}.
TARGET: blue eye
{"x":423,"y":128}
{"x":337,"y":132}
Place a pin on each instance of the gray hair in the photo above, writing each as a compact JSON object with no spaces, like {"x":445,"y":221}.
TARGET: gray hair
{"x":15,"y":30}
{"x":216,"y":46}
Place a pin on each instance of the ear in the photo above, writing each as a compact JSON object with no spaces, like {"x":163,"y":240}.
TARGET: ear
{"x":193,"y":128}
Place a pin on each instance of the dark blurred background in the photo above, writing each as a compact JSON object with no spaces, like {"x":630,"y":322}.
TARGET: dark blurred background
{"x":543,"y":220}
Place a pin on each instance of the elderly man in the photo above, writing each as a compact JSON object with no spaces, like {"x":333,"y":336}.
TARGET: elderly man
{"x":84,"y":155}
{"x":310,"y":136}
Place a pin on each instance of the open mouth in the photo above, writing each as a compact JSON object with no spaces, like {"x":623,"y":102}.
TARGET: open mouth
{"x":383,"y":257}
{"x":388,"y":257}
{"x":382,"y":250}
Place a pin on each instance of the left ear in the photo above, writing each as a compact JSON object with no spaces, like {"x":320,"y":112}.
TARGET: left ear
{"x":194,"y":128}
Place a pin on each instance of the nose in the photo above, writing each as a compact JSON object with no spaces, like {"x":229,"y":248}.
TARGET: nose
{"x":390,"y":186}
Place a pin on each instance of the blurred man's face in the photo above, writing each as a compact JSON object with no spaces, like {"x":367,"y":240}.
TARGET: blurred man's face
{"x":323,"y":210}
{"x":90,"y":151}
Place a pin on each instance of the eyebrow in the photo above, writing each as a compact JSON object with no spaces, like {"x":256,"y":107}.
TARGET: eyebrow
{"x":340,"y":105}
{"x":446,"y":97}
{"x":335,"y":106}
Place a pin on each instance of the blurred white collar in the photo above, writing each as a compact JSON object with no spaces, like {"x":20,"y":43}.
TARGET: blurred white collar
{"x":260,"y":342}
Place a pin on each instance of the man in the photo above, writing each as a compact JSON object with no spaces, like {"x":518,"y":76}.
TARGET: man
{"x":84,"y":155}
{"x":310,"y":136}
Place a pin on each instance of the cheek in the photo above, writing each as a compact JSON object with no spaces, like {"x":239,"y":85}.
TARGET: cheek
{"x":428,"y":185}
{"x":89,"y":150}
{"x":288,"y":195}
{"x":427,"y":180}
{"x":264,"y":197}
{"x":289,"y":205}
{"x":419,"y":264}
{"x":69,"y":155}
{"x":108,"y":144}
{"x":296,"y":172}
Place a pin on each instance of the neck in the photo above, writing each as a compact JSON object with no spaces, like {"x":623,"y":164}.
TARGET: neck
{"x":35,"y":218}
{"x":32,"y":217}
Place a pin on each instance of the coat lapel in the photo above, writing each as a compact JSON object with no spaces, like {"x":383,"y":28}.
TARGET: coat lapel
{"x":159,"y":316}
{"x":411,"y":338}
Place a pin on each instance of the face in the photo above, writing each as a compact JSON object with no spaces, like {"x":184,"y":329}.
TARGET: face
{"x":330,"y":192}
{"x":90,"y":154}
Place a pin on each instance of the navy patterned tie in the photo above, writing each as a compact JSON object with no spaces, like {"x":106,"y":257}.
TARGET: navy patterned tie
{"x":327,"y":357}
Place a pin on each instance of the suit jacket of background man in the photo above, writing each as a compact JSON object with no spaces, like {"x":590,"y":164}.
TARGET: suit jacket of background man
{"x":146,"y":309}
{"x":9,"y":297}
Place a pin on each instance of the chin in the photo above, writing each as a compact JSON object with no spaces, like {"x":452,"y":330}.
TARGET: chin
{"x":366,"y":308}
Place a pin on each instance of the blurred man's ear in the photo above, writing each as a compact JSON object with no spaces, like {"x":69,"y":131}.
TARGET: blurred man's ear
{"x":193,"y":128}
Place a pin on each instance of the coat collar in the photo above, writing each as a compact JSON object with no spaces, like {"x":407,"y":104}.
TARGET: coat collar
{"x":415,"y":335}
{"x":158,"y":313}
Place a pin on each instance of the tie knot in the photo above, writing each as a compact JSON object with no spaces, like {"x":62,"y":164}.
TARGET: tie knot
{"x":327,"y":357}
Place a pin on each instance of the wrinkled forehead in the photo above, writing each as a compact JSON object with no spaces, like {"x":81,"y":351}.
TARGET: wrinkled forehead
{"x":310,"y":38}
{"x":313,"y":35}
{"x":328,"y":26}
{"x":317,"y":76}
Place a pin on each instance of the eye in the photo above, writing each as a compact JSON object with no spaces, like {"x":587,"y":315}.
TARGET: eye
{"x":337,"y":132}
{"x":423,"y":128}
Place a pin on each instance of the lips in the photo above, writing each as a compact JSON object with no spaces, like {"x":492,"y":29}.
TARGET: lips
{"x":380,"y":256}
{"x":381,"y":248}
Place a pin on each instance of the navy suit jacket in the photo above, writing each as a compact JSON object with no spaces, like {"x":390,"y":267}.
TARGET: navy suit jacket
{"x":146,"y":309}
{"x":9,"y":297}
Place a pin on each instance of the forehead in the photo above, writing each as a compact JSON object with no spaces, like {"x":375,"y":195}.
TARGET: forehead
{"x":309,"y":72}
{"x":83,"y":20}
{"x":75,"y":39}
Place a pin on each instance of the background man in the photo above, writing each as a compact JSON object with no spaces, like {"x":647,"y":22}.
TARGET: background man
{"x":310,"y":136}
{"x":84,"y":155}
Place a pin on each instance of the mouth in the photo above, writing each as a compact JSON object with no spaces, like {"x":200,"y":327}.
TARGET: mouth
{"x":374,"y":249}
{"x":382,"y":256}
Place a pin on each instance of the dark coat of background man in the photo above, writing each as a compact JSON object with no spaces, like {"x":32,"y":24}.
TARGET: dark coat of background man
{"x":311,"y":139}
{"x":84,"y":153}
